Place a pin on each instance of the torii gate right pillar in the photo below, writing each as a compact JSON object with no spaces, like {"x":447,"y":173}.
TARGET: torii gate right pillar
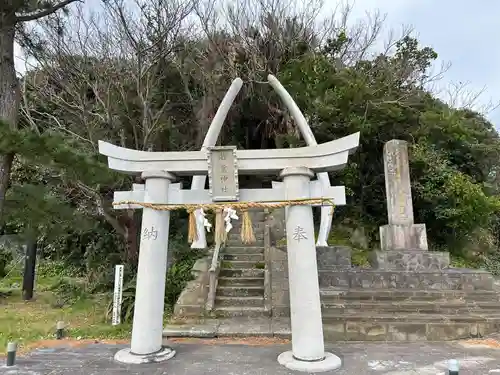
{"x":308,"y":348}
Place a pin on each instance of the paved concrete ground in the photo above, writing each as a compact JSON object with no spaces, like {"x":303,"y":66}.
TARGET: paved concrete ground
{"x":198,"y":359}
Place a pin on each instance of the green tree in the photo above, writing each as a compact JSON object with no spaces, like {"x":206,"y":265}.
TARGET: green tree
{"x":13,"y":15}
{"x":454,"y":162}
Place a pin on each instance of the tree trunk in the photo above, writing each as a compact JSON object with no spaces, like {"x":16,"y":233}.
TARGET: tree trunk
{"x":9,"y":97}
{"x":29,"y":269}
{"x":131,"y":241}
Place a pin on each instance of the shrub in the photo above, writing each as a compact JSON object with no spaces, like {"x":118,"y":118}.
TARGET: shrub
{"x":5,"y":259}
{"x":177,"y":277}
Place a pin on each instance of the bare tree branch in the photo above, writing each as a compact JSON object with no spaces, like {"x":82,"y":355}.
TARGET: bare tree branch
{"x":45,"y":12}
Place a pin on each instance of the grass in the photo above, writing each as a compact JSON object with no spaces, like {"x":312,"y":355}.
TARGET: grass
{"x":27,"y":322}
{"x":359,"y":257}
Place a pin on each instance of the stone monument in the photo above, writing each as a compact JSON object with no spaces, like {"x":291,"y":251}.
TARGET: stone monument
{"x":403,"y":243}
{"x":159,"y":195}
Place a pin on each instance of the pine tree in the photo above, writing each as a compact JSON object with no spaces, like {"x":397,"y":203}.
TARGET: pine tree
{"x":13,"y":15}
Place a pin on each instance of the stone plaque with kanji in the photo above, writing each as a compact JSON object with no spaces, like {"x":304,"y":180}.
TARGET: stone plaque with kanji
{"x":223,"y":174}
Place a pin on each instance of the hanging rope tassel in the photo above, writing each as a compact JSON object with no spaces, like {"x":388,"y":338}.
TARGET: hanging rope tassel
{"x":192,"y":230}
{"x":220,"y":231}
{"x":247,"y":236}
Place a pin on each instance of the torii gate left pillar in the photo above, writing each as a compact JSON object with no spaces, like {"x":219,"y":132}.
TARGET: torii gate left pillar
{"x":147,"y":328}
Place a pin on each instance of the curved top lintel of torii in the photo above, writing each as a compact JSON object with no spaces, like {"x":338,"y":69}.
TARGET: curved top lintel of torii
{"x":325,"y":157}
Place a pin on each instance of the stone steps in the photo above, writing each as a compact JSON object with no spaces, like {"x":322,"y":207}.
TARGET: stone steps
{"x":235,"y":235}
{"x":240,"y":281}
{"x":239,"y":301}
{"x":233,"y":242}
{"x":257,"y":230}
{"x":407,"y":327}
{"x":242,"y":272}
{"x":408,"y":314}
{"x":335,"y":317}
{"x":257,"y":226}
{"x":447,"y":307}
{"x":240,"y":287}
{"x":247,"y":249}
{"x":239,"y":311}
{"x":447,"y":279}
{"x":240,"y":291}
{"x":395,"y":295}
{"x":241,"y":264}
{"x":258,"y":257}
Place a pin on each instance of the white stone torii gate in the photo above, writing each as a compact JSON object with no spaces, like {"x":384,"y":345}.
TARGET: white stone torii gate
{"x":212,"y":135}
{"x":296,"y":167}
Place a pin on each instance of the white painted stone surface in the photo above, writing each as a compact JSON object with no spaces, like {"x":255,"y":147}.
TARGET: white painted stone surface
{"x":331,"y":362}
{"x":329,"y":156}
{"x":198,"y":182}
{"x":126,"y":356}
{"x":178,"y":196}
{"x":117,"y":295}
{"x":150,"y":290}
{"x":305,"y":307}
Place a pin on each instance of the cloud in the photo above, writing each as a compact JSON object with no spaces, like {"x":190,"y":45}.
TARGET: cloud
{"x":460,"y":31}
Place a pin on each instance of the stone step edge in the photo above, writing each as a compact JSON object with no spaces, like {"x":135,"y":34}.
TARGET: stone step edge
{"x":283,"y":330}
{"x":228,"y":278}
{"x":237,"y":298}
{"x":239,"y":308}
{"x":333,"y":292}
{"x":232,"y":287}
{"x":242,"y":265}
{"x":227,"y":249}
{"x":448,"y":303}
{"x":403,"y":310}
{"x":410,"y":317}
{"x":241,"y":270}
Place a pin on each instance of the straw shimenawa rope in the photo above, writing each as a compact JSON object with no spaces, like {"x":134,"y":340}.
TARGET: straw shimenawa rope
{"x":220,"y":232}
{"x":247,"y":235}
{"x":192,"y":232}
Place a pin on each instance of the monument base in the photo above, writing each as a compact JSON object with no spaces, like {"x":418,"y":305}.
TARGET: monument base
{"x":403,"y":237}
{"x":409,"y":260}
{"x":331,"y":362}
{"x":126,"y":356}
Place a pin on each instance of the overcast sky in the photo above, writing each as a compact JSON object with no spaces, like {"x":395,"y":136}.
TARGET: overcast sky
{"x":461,"y":31}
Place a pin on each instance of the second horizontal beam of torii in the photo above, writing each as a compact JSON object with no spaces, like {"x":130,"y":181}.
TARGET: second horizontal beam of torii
{"x":179,"y":196}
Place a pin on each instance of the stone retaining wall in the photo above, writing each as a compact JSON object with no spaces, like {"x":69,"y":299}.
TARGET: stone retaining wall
{"x":193,"y":298}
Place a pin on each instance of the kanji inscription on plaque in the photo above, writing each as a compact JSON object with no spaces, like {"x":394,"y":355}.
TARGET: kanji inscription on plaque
{"x":223,"y":173}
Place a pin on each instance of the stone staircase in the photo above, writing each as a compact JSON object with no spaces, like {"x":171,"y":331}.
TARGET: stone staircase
{"x":370,"y":304}
{"x":240,"y":287}
{"x":408,"y":315}
{"x":397,"y":305}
